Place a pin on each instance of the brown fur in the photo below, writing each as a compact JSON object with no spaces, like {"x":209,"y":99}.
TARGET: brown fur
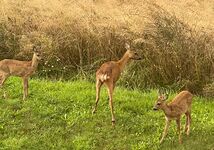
{"x":23,"y":69}
{"x":108,"y":74}
{"x":180,"y":105}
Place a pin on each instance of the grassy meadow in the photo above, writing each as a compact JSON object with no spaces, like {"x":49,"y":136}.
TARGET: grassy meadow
{"x":57,"y":115}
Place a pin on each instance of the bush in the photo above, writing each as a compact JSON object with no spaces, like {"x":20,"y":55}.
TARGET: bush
{"x":77,"y":37}
{"x":175,"y":54}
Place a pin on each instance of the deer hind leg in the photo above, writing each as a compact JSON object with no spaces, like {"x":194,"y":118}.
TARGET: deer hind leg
{"x":110,"y":87}
{"x":165,"y":129}
{"x":186,"y":123}
{"x":25,"y":88}
{"x":98,"y":86}
{"x":179,"y":129}
{"x":190,"y":120}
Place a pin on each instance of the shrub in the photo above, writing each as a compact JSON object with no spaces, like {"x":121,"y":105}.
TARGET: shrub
{"x":77,"y":37}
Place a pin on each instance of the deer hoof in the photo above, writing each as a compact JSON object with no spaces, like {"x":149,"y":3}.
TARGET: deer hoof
{"x":93,"y":111}
{"x":161,"y":141}
{"x":113,"y":122}
{"x":5,"y":95}
{"x":187,"y":133}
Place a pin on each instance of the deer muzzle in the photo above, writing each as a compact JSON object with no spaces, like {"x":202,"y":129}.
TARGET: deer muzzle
{"x":154,"y":108}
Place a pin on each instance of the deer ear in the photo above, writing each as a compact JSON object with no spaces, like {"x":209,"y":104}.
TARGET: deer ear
{"x":160,"y":92}
{"x":127,"y":46}
{"x":163,"y":93}
{"x":39,"y":46}
{"x":166,"y":96}
{"x":35,"y":48}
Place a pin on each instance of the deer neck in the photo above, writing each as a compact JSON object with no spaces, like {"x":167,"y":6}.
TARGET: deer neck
{"x":34,"y":62}
{"x":123,"y":61}
{"x":166,"y":109}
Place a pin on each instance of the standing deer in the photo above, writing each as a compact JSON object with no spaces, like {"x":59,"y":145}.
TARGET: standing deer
{"x":23,"y":69}
{"x":180,"y":105}
{"x":109,"y":73}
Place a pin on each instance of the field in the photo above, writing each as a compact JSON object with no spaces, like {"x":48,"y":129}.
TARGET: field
{"x":57,"y":115}
{"x":74,"y":37}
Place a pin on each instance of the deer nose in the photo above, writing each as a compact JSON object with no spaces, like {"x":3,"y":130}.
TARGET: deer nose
{"x":137,"y":58}
{"x":154,"y":108}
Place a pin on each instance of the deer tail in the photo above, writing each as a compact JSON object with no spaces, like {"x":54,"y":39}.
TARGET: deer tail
{"x":104,"y":77}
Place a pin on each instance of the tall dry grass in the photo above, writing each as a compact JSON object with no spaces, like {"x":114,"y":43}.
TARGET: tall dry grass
{"x":77,"y":36}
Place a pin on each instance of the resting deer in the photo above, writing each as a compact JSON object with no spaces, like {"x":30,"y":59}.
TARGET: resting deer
{"x":180,"y":105}
{"x":23,"y":69}
{"x":109,"y":73}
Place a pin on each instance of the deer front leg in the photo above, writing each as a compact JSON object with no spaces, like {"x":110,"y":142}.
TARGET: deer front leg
{"x":2,"y":81}
{"x":179,"y":129}
{"x":189,"y":122}
{"x":98,"y":86}
{"x":25,"y":88}
{"x":1,"y":86}
{"x":165,"y":129}
{"x":110,"y":92}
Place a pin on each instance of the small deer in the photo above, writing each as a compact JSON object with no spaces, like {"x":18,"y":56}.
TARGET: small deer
{"x":109,"y":73}
{"x":180,"y":105}
{"x":23,"y":69}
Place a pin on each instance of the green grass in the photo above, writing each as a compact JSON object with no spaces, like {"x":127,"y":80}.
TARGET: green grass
{"x":57,"y":115}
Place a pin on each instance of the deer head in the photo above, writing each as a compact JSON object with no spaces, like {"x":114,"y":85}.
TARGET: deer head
{"x":132,"y":53}
{"x":162,"y":97}
{"x":37,"y":52}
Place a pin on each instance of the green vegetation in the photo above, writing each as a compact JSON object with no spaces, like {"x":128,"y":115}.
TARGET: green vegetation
{"x":57,"y":115}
